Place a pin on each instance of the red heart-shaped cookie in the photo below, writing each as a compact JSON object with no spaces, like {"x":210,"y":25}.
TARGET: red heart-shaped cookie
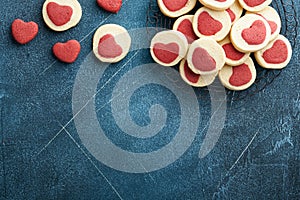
{"x":175,"y":5}
{"x":24,"y":32}
{"x":108,"y":48}
{"x":59,"y":15}
{"x":110,"y":5}
{"x":207,"y":25}
{"x":256,"y":34}
{"x":166,"y":53}
{"x":67,"y":52}
{"x":277,"y":54}
{"x":203,"y":61}
{"x":241,"y":75}
{"x":253,"y":3}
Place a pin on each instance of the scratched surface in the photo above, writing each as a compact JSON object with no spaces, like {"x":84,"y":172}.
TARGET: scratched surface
{"x":42,"y":156}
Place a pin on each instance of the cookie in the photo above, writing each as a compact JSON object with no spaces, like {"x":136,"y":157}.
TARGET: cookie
{"x":239,"y":77}
{"x":205,"y":56}
{"x":276,"y":55}
{"x":217,"y":4}
{"x":168,"y":48}
{"x":176,"y":8}
{"x":193,"y":79}
{"x":111,"y":43}
{"x":235,"y":11}
{"x":233,"y":56}
{"x":273,"y":19}
{"x":254,"y":5}
{"x":184,"y":25}
{"x":67,"y":52}
{"x":250,"y":33}
{"x":212,"y":24}
{"x":24,"y":32}
{"x":61,"y":15}
{"x":113,"y":6}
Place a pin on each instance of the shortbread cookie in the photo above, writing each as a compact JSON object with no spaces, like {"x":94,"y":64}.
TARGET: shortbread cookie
{"x":250,"y":33}
{"x":233,"y":56}
{"x":168,"y":48}
{"x":61,"y":15}
{"x":276,"y":55}
{"x":184,"y":25}
{"x":205,"y":56}
{"x":235,"y":11}
{"x":254,"y":5}
{"x":193,"y":79}
{"x":239,"y":77}
{"x":176,"y":8}
{"x":210,"y":23}
{"x":217,"y":4}
{"x":111,"y":43}
{"x":24,"y":32}
{"x":67,"y":52}
{"x":110,"y":5}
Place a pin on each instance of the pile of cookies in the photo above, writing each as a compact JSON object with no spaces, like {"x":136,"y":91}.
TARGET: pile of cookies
{"x":219,"y":39}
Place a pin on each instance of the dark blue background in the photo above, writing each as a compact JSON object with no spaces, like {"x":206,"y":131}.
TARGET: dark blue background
{"x":257,"y":156}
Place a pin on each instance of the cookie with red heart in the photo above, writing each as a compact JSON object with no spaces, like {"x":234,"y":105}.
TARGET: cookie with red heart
{"x":217,"y":4}
{"x":168,"y":48}
{"x":184,"y":24}
{"x":24,"y":32}
{"x":205,"y":56}
{"x":235,"y":11}
{"x":211,"y":23}
{"x":67,"y":52}
{"x":193,"y":79}
{"x":254,"y":5}
{"x":61,"y":15}
{"x":176,"y":8}
{"x":113,"y":6}
{"x":240,"y":77}
{"x":250,"y":33}
{"x":233,"y":56}
{"x":111,"y":43}
{"x":276,"y":55}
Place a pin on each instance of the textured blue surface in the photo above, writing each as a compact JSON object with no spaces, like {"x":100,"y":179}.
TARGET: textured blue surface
{"x":257,"y":156}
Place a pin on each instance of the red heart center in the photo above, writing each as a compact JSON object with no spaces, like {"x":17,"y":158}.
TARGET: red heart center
{"x":253,"y":3}
{"x":203,"y":61}
{"x":208,"y":25}
{"x":58,"y":14}
{"x":166,"y":53}
{"x":231,"y":52}
{"x":24,"y":32}
{"x":231,"y":14}
{"x":241,"y":75}
{"x":190,"y":75}
{"x":108,"y":48}
{"x":277,"y":54}
{"x":186,"y":27}
{"x":67,"y":52}
{"x":110,"y":5}
{"x":175,"y":5}
{"x":256,"y":34}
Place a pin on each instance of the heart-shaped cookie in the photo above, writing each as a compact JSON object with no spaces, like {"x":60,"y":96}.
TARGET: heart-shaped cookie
{"x":58,"y":14}
{"x":113,"y":6}
{"x":67,"y":52}
{"x":108,"y":48}
{"x":255,"y":34}
{"x":24,"y":32}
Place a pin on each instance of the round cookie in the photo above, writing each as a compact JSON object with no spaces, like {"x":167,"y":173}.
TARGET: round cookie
{"x":235,"y":11}
{"x":217,"y":4}
{"x":193,"y":79}
{"x":168,"y":48}
{"x":233,"y":56}
{"x":205,"y":56}
{"x":210,"y":23}
{"x":254,"y":5}
{"x":239,"y":77}
{"x":250,"y":33}
{"x":176,"y":8}
{"x":276,"y":55}
{"x":61,"y":15}
{"x":184,"y":25}
{"x":111,"y":43}
{"x":273,"y":19}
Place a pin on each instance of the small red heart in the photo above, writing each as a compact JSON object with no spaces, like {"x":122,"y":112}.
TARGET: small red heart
{"x":208,"y":25}
{"x":110,"y":5}
{"x":67,"y":52}
{"x":108,"y":48}
{"x":24,"y":32}
{"x":186,"y":27}
{"x":175,"y":5}
{"x":256,"y":34}
{"x":241,"y":75}
{"x":203,"y":61}
{"x":58,"y":14}
{"x":232,"y":53}
{"x":166,"y":53}
{"x":277,"y":54}
{"x":254,"y":3}
{"x":190,"y":75}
